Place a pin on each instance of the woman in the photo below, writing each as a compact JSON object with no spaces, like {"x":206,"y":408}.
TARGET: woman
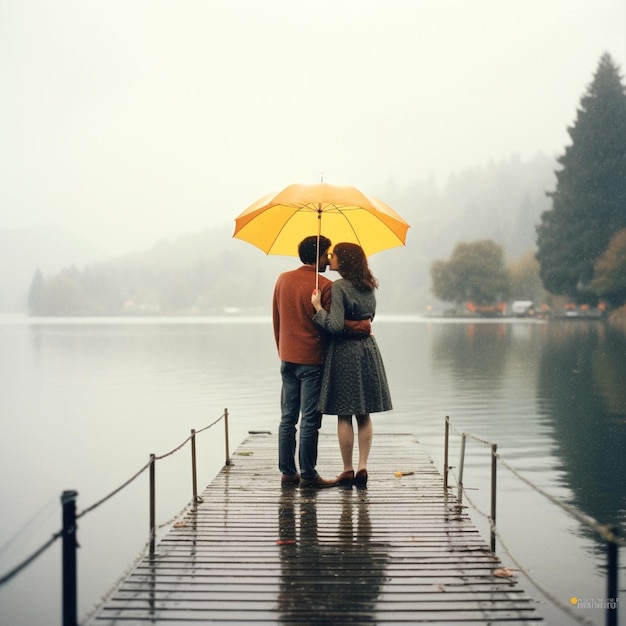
{"x":354,"y":380}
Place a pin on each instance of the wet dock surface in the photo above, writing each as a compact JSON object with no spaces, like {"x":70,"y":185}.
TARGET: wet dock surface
{"x":253,"y":552}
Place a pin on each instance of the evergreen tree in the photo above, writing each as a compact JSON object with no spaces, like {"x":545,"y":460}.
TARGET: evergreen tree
{"x":589,"y":203}
{"x":610,"y":271}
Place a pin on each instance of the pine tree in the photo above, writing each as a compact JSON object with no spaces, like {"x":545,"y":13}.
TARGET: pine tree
{"x":610,"y":271}
{"x":589,"y":203}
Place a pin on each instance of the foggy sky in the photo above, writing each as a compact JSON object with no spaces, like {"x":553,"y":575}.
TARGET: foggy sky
{"x":127,"y":121}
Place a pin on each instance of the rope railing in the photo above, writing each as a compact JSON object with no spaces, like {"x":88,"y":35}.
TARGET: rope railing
{"x":114,"y":492}
{"x":160,"y":457}
{"x":27,"y":561}
{"x":520,"y":567}
{"x":70,"y":517}
{"x":609,"y":532}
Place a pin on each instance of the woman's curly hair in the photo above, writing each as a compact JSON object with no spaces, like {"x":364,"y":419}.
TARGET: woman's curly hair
{"x":353,"y":266}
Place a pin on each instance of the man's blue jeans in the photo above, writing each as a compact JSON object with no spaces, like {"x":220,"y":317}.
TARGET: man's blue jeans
{"x":300,"y":395}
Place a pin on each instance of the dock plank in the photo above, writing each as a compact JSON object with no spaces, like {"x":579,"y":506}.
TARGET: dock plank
{"x":399,"y":552}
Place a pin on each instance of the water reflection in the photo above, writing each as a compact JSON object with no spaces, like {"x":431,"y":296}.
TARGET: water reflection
{"x":565,"y":380}
{"x":329,"y":566}
{"x":474,"y":350}
{"x":581,"y":383}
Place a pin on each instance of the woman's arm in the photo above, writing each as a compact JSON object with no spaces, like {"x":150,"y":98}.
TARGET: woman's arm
{"x":332,"y":321}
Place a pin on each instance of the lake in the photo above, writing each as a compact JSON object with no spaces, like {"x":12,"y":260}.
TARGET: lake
{"x":83,"y":403}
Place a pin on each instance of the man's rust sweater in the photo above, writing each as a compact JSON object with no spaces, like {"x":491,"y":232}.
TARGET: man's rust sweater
{"x":298,"y":338}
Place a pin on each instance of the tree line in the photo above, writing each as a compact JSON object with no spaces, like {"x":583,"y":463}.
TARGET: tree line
{"x":200,"y":274}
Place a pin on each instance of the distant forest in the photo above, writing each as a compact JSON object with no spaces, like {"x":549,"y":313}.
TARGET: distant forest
{"x":211,"y":273}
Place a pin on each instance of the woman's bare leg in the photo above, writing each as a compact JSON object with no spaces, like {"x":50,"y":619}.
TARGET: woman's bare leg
{"x":366,"y":434}
{"x":345,"y":434}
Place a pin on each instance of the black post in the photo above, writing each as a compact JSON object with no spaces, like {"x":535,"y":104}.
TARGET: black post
{"x":611,"y":588}
{"x":152,"y":504}
{"x":228,"y":461}
{"x":494,"y":473}
{"x":194,"y":474}
{"x":70,"y":594}
{"x":446,"y":468}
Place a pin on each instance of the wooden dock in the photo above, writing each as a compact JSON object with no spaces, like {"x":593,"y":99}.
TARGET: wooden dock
{"x":398,"y":552}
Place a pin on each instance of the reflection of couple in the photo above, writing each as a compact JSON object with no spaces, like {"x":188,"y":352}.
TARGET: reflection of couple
{"x":313,"y":559}
{"x":330,"y":362}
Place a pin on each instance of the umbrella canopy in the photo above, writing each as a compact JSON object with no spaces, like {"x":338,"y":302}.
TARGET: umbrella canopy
{"x":278,"y":222}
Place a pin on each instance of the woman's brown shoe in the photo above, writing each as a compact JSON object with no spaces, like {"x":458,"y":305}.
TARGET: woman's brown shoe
{"x":345,"y":478}
{"x":360,"y":479}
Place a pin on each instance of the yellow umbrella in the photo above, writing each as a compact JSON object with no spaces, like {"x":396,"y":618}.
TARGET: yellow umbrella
{"x":278,"y":222}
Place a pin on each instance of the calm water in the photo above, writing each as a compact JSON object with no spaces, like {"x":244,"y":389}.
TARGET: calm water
{"x":84,"y":403}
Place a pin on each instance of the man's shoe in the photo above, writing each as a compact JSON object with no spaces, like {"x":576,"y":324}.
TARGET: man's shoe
{"x":290,"y":480}
{"x":318,"y":482}
{"x":345,"y":478}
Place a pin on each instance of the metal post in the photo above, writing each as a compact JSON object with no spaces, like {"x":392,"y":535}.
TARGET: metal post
{"x":494,"y":466}
{"x":461,"y":464}
{"x":226,"y":437}
{"x":445,"y":455}
{"x":611,"y":588}
{"x":194,"y":475}
{"x":70,"y":595}
{"x":152,"y":504}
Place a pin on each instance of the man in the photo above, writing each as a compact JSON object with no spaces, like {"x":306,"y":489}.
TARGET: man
{"x":301,"y":347}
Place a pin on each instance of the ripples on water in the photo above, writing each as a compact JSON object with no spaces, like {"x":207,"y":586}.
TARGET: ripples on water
{"x":85,"y":401}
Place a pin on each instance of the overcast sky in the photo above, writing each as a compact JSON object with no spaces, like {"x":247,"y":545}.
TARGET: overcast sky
{"x":127,"y":121}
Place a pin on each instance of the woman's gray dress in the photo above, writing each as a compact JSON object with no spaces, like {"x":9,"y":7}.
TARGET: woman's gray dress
{"x":354,"y":380}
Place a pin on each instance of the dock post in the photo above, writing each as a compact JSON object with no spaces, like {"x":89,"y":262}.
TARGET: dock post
{"x":227,"y":462}
{"x":612,"y":587}
{"x":194,"y":475}
{"x":494,"y":467}
{"x":446,"y":467}
{"x":70,"y":594}
{"x":461,"y":466}
{"x":152,"y":504}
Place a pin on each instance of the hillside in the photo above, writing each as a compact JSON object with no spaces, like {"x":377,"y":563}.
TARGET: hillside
{"x":502,"y":202}
{"x":209,"y":272}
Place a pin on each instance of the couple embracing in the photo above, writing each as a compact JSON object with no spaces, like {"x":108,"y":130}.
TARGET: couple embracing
{"x":330,"y":362}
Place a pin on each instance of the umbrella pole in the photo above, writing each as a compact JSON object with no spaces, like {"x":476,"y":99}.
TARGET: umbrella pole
{"x":319,"y":234}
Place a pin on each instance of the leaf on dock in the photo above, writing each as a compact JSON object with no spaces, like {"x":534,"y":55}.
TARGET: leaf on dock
{"x":504,"y":572}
